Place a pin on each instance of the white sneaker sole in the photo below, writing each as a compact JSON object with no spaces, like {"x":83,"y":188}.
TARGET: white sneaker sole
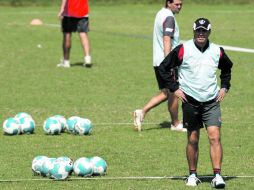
{"x":137,"y":125}
{"x":176,"y":129}
{"x":63,"y":66}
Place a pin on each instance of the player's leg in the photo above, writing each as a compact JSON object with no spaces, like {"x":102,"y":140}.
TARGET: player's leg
{"x":86,"y":47}
{"x":215,"y":146}
{"x":66,"y":45}
{"x":68,"y":26}
{"x":216,"y":155}
{"x":192,"y":152}
{"x":155,"y":101}
{"x":139,"y":114}
{"x":173,"y":104}
{"x":192,"y":121}
{"x":83,"y":29}
{"x":212,"y":119}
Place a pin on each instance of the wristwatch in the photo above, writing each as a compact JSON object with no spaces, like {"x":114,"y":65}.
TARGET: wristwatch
{"x":226,"y":90}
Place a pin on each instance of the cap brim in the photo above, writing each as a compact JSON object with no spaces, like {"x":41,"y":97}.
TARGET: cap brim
{"x":201,"y":27}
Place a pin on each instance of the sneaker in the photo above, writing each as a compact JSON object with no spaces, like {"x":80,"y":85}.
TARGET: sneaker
{"x":65,"y":64}
{"x":192,"y":180}
{"x":88,"y":61}
{"x":179,"y":127}
{"x":218,"y":182}
{"x":138,"y":119}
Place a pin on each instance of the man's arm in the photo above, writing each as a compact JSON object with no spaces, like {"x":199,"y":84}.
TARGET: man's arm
{"x":168,"y":68}
{"x":225,"y":65}
{"x":168,"y":34}
{"x":60,"y":14}
{"x":166,"y":45}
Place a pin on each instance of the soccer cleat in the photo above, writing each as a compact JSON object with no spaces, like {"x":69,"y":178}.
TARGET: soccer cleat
{"x":218,"y":182}
{"x":138,"y":119}
{"x":88,"y":61}
{"x":192,"y":180}
{"x":179,"y":127}
{"x":65,"y":64}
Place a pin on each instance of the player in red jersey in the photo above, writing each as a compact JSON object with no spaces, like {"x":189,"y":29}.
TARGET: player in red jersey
{"x":74,"y":15}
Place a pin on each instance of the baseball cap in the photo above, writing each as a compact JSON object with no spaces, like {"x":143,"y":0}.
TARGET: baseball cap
{"x":202,"y":23}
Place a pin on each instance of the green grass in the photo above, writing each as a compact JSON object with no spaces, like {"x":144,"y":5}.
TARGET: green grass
{"x":120,"y":81}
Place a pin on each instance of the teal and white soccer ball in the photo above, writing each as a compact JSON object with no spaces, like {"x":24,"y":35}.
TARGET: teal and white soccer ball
{"x":11,"y":126}
{"x":62,"y":121}
{"x":71,"y":123}
{"x":69,"y":163}
{"x":83,"y":127}
{"x":99,"y":165}
{"x":46,"y":165}
{"x":52,"y":126}
{"x":59,"y":170}
{"x":27,"y":125}
{"x":22,"y":115}
{"x":83,"y":167}
{"x":37,"y":164}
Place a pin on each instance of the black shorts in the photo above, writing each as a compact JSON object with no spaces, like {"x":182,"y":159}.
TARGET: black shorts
{"x":197,"y":114}
{"x":71,"y":24}
{"x":158,"y":78}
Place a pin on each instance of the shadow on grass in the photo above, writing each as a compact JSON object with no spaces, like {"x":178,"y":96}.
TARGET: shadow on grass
{"x":163,"y":125}
{"x":204,"y":178}
{"x":81,"y":64}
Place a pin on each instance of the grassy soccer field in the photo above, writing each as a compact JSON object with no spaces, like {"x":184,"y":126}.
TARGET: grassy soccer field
{"x":120,"y":81}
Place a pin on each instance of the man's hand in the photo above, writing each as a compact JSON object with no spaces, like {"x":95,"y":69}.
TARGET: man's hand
{"x":221,"y":94}
{"x":179,"y":93}
{"x":60,"y":16}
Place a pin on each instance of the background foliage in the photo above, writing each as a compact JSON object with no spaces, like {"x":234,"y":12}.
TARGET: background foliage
{"x":106,"y":2}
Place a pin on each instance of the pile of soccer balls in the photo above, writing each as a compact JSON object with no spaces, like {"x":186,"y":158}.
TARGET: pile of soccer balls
{"x":22,"y":123}
{"x":75,"y":125}
{"x":61,"y":168}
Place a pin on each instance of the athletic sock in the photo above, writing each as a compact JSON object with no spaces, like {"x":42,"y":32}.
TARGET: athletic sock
{"x":66,"y":61}
{"x":216,"y":171}
{"x":193,"y":172}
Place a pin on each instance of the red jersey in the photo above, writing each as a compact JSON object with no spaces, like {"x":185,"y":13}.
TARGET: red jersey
{"x":76,"y":8}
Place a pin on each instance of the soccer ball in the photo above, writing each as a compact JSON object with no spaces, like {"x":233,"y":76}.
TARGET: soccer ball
{"x":99,"y":165}
{"x":71,"y":123}
{"x":46,"y":165}
{"x":37,"y":164}
{"x":58,"y":170}
{"x":83,"y":167}
{"x":69,"y":162}
{"x":62,"y":121}
{"x":11,"y":126}
{"x":27,"y":124}
{"x":52,"y":126}
{"x":22,"y":115}
{"x":83,"y":127}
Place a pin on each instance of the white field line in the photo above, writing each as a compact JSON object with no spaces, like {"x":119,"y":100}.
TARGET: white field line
{"x":122,"y":178}
{"x":229,"y":48}
{"x":52,"y":25}
{"x":161,"y":123}
{"x":238,"y":49}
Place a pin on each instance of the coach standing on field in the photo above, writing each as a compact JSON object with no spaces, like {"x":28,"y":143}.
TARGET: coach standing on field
{"x":74,"y":16}
{"x":190,"y":72}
